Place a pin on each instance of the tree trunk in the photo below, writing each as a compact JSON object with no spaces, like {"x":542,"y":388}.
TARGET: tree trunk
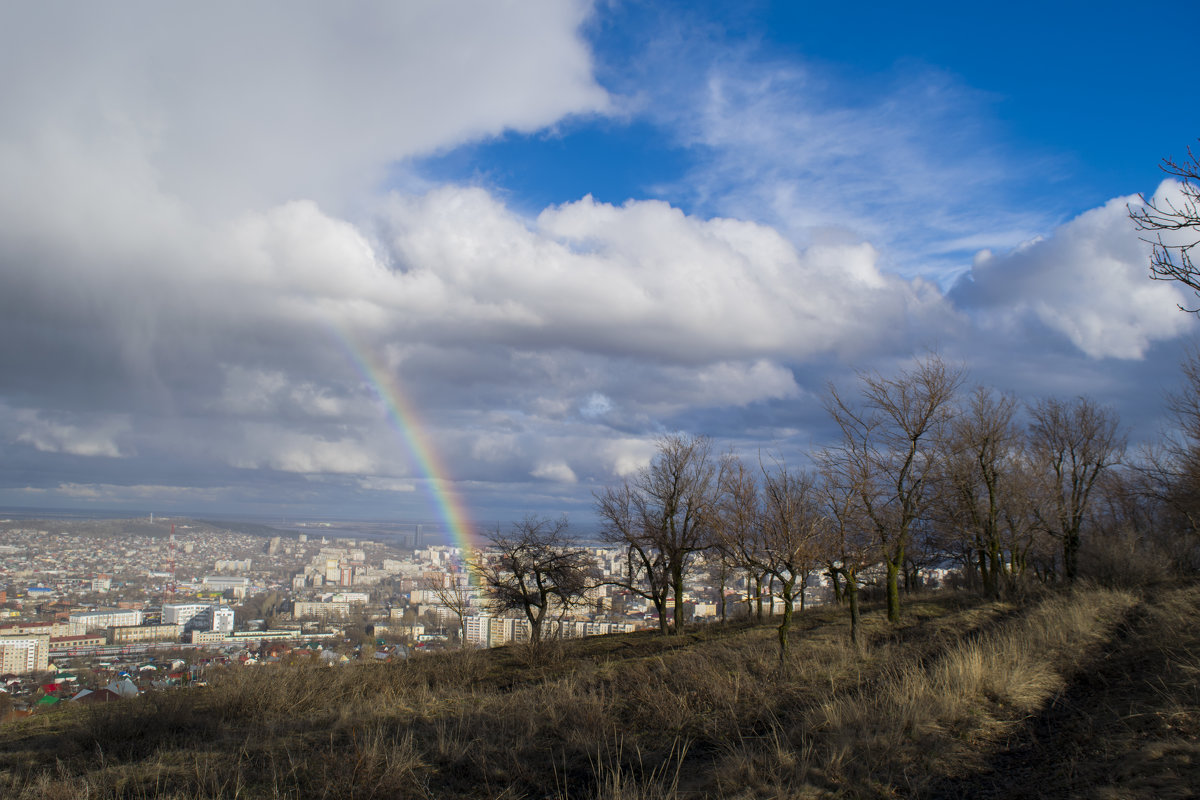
{"x":852,"y":595}
{"x":749,"y":595}
{"x":997,"y":571}
{"x":838,"y":596}
{"x":893,"y":588}
{"x":677,"y":588}
{"x":664,"y":623}
{"x":721,"y":592}
{"x":786,"y":590}
{"x":758,"y":597}
{"x":1071,"y":555}
{"x":987,"y":573}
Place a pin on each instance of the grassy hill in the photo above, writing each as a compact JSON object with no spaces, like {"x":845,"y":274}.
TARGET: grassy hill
{"x":1088,"y":693}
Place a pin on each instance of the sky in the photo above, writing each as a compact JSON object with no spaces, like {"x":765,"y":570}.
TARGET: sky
{"x":422,"y":261}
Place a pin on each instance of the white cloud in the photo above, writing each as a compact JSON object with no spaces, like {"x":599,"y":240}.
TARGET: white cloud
{"x":109,"y":492}
{"x":626,"y":456}
{"x":1087,"y":280}
{"x":595,"y":405}
{"x":261,"y":104}
{"x":257,"y":392}
{"x":558,"y":471}
{"x":642,"y":279}
{"x":380,"y":483}
{"x":292,"y":450}
{"x":98,"y":438}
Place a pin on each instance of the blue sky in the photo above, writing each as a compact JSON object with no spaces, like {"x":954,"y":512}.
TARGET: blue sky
{"x":1086,"y":95}
{"x":563,"y":228}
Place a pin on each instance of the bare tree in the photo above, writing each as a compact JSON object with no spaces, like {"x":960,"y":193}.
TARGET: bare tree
{"x":646,"y":573}
{"x":1174,"y":226}
{"x":1072,"y":443}
{"x":888,"y":453}
{"x":848,"y":545}
{"x":1028,"y":543}
{"x":663,"y":517}
{"x":739,"y":529}
{"x":1169,"y":472}
{"x":454,"y":595}
{"x":534,"y":568}
{"x":978,"y":461}
{"x":792,"y":525}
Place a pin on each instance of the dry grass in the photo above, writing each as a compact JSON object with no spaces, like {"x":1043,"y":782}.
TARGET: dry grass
{"x":707,"y":714}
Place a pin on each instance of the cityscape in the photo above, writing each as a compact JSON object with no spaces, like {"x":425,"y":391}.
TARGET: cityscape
{"x":110,"y":597}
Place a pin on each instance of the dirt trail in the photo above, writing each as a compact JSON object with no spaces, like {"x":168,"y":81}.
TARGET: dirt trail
{"x":1127,"y":726}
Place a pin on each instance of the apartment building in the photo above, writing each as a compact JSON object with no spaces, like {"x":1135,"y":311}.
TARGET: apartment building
{"x":21,"y":655}
{"x":225,"y":583}
{"x":145,"y":633}
{"x":60,"y":643}
{"x":198,"y":616}
{"x":490,"y":631}
{"x":102,"y":620}
{"x":302,"y":609}
{"x":35,"y":628}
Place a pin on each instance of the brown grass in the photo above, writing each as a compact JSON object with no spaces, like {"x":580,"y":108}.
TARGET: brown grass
{"x":707,"y":714}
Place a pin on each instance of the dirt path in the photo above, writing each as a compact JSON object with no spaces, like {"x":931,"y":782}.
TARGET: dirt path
{"x":1125,"y":727}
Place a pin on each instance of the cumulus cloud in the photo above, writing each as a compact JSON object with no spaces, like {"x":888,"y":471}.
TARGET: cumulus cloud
{"x":251,"y":105}
{"x":48,"y":435}
{"x":642,"y":279}
{"x":555,"y":471}
{"x":292,"y":450}
{"x":1087,"y":281}
{"x":211,"y":250}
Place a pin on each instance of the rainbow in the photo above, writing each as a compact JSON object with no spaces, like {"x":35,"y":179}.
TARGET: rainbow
{"x":405,"y":421}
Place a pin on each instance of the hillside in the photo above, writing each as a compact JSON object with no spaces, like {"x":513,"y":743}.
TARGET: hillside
{"x":1091,"y":693}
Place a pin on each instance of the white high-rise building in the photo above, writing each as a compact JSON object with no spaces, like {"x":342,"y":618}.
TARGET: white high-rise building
{"x":198,"y":616}
{"x":21,"y":655}
{"x":79,"y":624}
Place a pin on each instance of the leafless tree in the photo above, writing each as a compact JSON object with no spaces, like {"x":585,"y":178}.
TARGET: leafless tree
{"x":533,"y":568}
{"x":739,"y":529}
{"x":1168,"y":473}
{"x":1174,"y":226}
{"x":646,"y":570}
{"x":452,"y":594}
{"x":979,"y":460}
{"x":1072,"y":443}
{"x":663,"y":516}
{"x":793,"y":528}
{"x":888,"y":453}
{"x":849,"y":546}
{"x":1029,"y":546}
